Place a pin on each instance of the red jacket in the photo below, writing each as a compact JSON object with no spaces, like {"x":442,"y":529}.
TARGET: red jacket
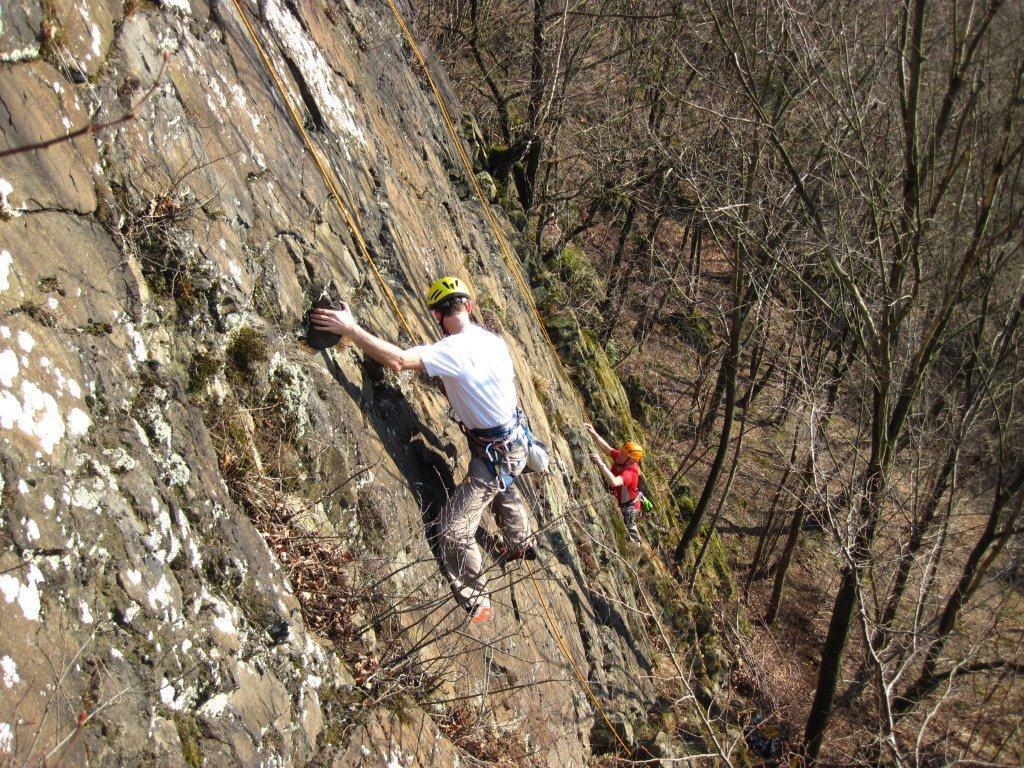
{"x":630,"y":475}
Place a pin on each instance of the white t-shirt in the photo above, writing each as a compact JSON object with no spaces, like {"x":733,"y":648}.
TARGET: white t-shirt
{"x":478,"y":376}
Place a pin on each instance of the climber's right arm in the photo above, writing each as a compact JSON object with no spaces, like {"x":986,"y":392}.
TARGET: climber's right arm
{"x":342,"y":322}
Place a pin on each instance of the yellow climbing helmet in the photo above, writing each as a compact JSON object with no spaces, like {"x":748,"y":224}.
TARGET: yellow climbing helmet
{"x":446,"y":288}
{"x":633,"y":450}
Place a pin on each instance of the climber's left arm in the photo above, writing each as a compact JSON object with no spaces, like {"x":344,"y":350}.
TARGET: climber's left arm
{"x":341,"y":321}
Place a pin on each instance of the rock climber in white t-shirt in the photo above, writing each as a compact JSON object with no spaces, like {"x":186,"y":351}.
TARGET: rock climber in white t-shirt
{"x":476,"y":370}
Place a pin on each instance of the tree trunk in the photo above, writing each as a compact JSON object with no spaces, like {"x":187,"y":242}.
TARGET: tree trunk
{"x":647,"y":299}
{"x":787,"y":551}
{"x":694,"y":268}
{"x":707,"y":421}
{"x":730,"y":365}
{"x":616,"y":272}
{"x":535,"y":149}
{"x":759,"y":553}
{"x":725,"y":494}
{"x":846,"y":597}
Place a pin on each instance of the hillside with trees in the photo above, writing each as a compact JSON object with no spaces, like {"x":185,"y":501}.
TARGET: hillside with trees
{"x":795,"y":228}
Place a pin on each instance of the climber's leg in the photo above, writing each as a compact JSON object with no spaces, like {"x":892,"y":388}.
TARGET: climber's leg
{"x":457,"y":535}
{"x":510,"y":511}
{"x":629,"y":518}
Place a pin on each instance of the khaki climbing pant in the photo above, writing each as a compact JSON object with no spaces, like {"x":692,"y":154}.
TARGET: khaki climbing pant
{"x":457,"y":525}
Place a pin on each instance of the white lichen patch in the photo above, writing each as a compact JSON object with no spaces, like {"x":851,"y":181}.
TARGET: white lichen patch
{"x":78,"y":422}
{"x":120,"y":459}
{"x":161,"y":541}
{"x":160,"y":597}
{"x":159,"y":428}
{"x":223,"y":621}
{"x":327,"y":88}
{"x":216,"y":93}
{"x":6,"y":738}
{"x":96,"y":40}
{"x":27,"y":53}
{"x":291,"y":388}
{"x":177,"y":5}
{"x":195,"y":559}
{"x":139,"y":344}
{"x":35,"y":413}
{"x":9,"y":367}
{"x":26,"y":594}
{"x":238,"y":93}
{"x":90,"y":492}
{"x":166,"y":692}
{"x":31,"y":530}
{"x":6,"y":260}
{"x":30,"y":408}
{"x":215,"y":706}
{"x":85,"y":612}
{"x":176,"y":471}
{"x":7,"y":211}
{"x":9,"y":670}
{"x":26,"y":342}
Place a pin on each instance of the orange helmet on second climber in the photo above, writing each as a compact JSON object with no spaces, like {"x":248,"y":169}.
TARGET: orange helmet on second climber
{"x":445,"y":288}
{"x":633,"y":450}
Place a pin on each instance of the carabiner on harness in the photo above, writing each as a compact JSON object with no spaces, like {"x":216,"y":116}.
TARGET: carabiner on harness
{"x":497,"y":454}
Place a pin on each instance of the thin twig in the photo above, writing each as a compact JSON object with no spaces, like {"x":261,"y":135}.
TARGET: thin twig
{"x":90,"y":128}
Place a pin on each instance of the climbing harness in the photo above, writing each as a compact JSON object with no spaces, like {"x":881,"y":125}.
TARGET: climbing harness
{"x":496,"y":444}
{"x":537,"y":453}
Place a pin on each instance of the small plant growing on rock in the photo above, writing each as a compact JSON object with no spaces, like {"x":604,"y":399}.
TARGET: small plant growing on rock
{"x":201,"y":370}
{"x":51,"y":33}
{"x":41,"y":313}
{"x":157,"y":227}
{"x":246,"y":350}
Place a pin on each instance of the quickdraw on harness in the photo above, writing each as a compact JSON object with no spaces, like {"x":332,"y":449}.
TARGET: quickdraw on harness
{"x":496,"y":444}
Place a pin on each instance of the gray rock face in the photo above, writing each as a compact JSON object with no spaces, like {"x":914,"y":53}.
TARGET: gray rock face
{"x":214,"y":544}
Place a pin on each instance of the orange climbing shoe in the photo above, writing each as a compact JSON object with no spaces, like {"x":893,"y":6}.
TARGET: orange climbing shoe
{"x":481,"y":614}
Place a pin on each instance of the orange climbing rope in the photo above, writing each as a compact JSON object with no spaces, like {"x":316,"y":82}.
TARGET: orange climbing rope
{"x":328,"y":178}
{"x":509,"y":256}
{"x":584,"y":683}
{"x":512,"y":263}
{"x":511,"y":260}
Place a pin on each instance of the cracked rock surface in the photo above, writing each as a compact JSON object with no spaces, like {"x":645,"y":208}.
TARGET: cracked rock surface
{"x":213,"y":542}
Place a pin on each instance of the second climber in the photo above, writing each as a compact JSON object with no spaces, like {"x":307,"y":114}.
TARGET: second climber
{"x":476,"y":370}
{"x":623,"y":478}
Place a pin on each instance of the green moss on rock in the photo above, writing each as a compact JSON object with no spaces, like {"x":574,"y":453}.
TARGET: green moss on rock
{"x":247,"y":349}
{"x":189,"y":734}
{"x":202,"y":368}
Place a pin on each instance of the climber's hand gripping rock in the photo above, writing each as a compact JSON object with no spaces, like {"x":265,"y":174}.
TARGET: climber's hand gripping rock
{"x":340,"y":321}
